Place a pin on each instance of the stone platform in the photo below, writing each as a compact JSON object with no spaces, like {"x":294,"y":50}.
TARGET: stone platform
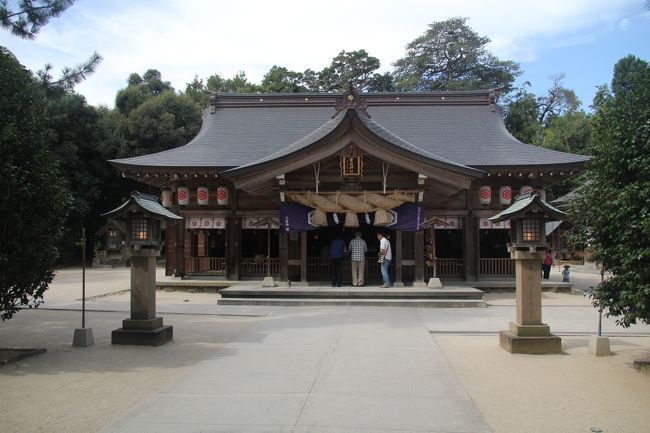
{"x":458,"y":297}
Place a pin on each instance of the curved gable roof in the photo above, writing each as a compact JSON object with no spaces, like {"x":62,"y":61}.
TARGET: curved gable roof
{"x":371,"y":125}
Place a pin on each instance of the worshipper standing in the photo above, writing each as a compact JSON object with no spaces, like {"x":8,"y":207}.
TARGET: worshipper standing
{"x":385,"y":256}
{"x":358,"y":249}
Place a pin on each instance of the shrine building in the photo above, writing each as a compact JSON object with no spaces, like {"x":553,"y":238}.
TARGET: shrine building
{"x":271,"y":179}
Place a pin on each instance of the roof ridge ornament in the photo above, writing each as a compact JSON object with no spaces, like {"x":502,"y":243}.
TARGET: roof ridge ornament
{"x":351,"y":99}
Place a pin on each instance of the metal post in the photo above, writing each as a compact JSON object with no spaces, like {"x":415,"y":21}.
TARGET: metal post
{"x":83,"y":277}
{"x":600,"y":310}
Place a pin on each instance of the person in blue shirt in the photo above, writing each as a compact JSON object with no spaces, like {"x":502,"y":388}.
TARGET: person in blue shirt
{"x":337,"y":251}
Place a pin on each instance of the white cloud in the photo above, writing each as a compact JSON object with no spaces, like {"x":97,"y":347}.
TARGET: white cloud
{"x":182,"y":38}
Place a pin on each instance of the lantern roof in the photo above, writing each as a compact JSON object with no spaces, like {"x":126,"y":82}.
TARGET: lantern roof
{"x":527,"y":203}
{"x":145,"y":203}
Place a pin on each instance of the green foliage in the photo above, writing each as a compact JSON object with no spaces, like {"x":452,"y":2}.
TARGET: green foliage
{"x":70,"y":126}
{"x":150,"y":117}
{"x":348,"y":67}
{"x":31,"y":15}
{"x":612,"y":213}
{"x":160,"y":123}
{"x":140,"y":89}
{"x":570,"y":132}
{"x":553,"y":120}
{"x":521,"y":117}
{"x":237,"y":84}
{"x":281,"y":80}
{"x":33,"y":196}
{"x":452,"y":56}
{"x":197,"y":92}
{"x":69,"y":77}
{"x":355,"y":67}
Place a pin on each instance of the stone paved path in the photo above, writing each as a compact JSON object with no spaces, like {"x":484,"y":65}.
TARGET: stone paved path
{"x":318,"y":370}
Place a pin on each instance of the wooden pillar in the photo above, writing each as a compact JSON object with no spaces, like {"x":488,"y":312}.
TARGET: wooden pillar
{"x":398,"y":259}
{"x":419,"y":257}
{"x":233,"y":251}
{"x":470,"y":253}
{"x":284,"y":255}
{"x":303,"y":256}
{"x":201,"y":243}
{"x":170,"y":249}
{"x":180,"y":249}
{"x":233,"y":239}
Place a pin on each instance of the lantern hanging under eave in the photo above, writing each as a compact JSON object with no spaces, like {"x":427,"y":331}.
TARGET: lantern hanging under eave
{"x":542,"y":193}
{"x":183,"y":195}
{"x":222,"y":196}
{"x":485,"y":194}
{"x":505,"y":195}
{"x":526,"y":189}
{"x":202,"y":195}
{"x":166,"y":198}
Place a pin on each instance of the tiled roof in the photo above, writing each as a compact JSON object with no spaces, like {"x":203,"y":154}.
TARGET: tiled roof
{"x":146,"y":203}
{"x":373,"y":126}
{"x":525,"y":202}
{"x":466,"y":131}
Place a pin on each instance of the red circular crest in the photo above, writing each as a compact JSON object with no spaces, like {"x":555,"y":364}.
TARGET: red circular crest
{"x":201,"y":194}
{"x":222,"y":194}
{"x":485,"y":193}
{"x":507,"y":194}
{"x":182,"y":194}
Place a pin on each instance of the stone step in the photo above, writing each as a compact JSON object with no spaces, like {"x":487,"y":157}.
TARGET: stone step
{"x":457,"y":293}
{"x":311,"y":302}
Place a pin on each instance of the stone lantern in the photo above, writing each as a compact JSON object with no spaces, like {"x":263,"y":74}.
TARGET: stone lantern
{"x":142,"y":214}
{"x":528,"y":216}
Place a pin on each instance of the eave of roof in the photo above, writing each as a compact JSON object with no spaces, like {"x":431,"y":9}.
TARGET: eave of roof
{"x":523,"y":204}
{"x":146,"y":203}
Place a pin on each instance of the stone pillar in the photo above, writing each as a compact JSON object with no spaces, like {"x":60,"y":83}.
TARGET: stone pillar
{"x":143,"y":327}
{"x":528,"y":334}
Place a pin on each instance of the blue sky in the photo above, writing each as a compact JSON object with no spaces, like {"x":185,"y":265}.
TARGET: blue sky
{"x":580,"y":38}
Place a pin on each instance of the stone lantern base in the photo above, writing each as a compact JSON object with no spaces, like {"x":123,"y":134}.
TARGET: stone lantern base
{"x":147,"y":332}
{"x":530,"y":339}
{"x":143,"y":327}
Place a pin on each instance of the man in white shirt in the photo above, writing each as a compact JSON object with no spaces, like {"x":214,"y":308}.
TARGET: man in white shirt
{"x":385,"y":256}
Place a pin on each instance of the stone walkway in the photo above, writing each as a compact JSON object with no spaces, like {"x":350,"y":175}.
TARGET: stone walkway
{"x":318,"y":370}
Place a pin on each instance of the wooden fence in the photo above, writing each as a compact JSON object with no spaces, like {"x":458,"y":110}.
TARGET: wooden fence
{"x":205,"y":265}
{"x":496,"y":267}
{"x":255,"y":267}
{"x":446,"y":268}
